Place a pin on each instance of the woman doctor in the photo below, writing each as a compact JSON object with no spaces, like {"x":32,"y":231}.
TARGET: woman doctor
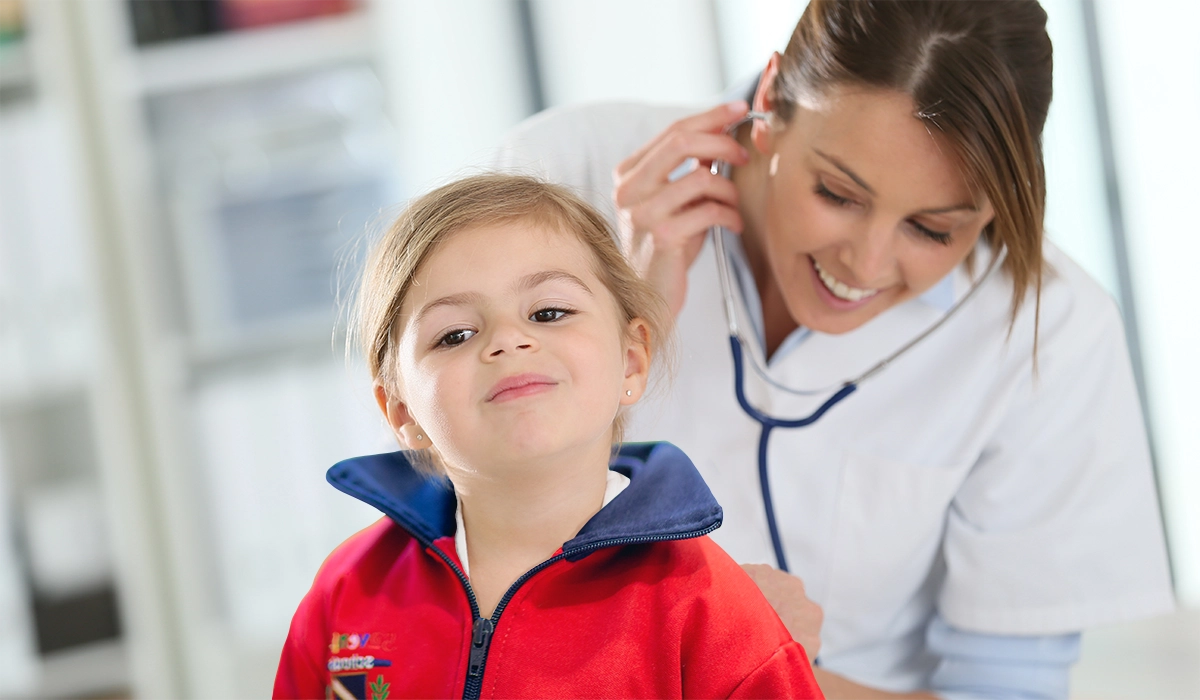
{"x":967,"y":511}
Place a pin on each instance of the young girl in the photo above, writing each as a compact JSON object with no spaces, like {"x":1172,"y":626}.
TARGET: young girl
{"x":521,"y":557}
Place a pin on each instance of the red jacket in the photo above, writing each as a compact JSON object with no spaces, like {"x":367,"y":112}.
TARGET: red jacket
{"x":641,"y":603}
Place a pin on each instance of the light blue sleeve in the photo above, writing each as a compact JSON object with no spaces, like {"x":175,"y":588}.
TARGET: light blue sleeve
{"x":977,"y":666}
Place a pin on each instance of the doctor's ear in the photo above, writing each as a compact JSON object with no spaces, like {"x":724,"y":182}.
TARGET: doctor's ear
{"x":764,"y":101}
{"x":408,"y":433}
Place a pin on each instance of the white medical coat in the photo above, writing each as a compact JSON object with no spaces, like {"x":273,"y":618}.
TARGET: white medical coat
{"x":959,"y":480}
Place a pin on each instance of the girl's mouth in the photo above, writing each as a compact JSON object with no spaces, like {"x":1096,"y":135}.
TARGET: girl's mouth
{"x":519,"y":385}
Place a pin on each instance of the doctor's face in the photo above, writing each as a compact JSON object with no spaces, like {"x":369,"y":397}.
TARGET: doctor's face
{"x":864,"y":208}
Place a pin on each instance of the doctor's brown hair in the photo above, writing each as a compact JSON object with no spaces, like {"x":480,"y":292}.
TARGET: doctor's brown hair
{"x":489,"y":200}
{"x":979,"y":75}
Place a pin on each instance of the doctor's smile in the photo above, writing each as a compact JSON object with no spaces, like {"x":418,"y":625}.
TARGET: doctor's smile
{"x":839,"y":295}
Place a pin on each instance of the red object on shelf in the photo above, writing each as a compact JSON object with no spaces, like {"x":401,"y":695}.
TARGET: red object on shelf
{"x":245,"y":14}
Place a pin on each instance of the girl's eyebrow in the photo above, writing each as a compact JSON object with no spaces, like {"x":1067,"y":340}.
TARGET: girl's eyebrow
{"x":524,"y":284}
{"x":460,"y":299}
{"x":530,"y":281}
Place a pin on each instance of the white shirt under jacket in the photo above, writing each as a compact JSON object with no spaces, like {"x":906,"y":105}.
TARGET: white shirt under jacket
{"x":957,"y":481}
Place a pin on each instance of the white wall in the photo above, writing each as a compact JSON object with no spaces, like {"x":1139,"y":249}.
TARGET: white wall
{"x":1152,"y":59}
{"x":662,"y":51}
{"x":749,"y":31}
{"x":1076,"y":203}
{"x":456,"y":77}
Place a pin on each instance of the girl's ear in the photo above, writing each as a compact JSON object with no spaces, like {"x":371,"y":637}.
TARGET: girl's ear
{"x":764,"y":101}
{"x":637,"y":362}
{"x":408,"y":432}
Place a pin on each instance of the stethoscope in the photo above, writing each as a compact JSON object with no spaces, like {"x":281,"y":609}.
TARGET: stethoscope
{"x":737,"y":346}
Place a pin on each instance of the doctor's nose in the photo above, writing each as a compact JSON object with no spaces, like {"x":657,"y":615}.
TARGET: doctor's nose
{"x":508,"y":339}
{"x":870,"y":255}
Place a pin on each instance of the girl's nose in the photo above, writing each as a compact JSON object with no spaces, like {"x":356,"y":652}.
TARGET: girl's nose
{"x":508,"y":338}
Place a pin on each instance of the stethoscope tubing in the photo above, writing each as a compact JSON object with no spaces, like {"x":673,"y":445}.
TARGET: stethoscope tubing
{"x":768,"y":423}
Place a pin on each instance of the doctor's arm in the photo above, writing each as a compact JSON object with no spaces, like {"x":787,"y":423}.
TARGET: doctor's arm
{"x":663,"y":216}
{"x":981,"y":667}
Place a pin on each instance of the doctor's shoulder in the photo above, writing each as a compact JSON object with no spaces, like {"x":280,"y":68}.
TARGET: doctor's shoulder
{"x":1075,"y":317}
{"x":580,"y":145}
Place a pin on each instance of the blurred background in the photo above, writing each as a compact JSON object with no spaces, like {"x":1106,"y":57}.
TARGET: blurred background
{"x":183,"y":185}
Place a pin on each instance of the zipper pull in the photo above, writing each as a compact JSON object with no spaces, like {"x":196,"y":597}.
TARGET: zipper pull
{"x":481,"y":637}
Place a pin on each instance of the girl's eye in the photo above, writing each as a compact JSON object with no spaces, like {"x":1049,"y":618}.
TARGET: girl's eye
{"x":549,"y":315}
{"x":837,"y":199}
{"x":457,"y":337}
{"x":940,"y":237}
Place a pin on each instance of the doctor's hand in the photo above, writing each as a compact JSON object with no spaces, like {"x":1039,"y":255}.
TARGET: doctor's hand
{"x":663,"y":222}
{"x":785,"y":593}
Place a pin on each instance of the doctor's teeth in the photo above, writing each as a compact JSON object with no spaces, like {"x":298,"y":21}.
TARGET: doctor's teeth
{"x":840,"y":289}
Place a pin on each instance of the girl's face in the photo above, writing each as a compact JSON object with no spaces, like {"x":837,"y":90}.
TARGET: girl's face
{"x":864,"y":208}
{"x":512,"y":348}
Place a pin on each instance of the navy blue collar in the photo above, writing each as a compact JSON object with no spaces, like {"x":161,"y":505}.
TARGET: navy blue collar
{"x":666,"y":498}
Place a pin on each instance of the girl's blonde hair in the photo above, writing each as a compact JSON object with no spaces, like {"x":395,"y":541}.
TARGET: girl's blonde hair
{"x":484,"y":200}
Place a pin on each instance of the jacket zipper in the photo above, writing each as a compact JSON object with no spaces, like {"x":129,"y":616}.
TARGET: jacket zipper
{"x":482,"y":628}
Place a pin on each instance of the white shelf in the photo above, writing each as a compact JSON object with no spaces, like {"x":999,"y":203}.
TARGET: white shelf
{"x":240,"y":56}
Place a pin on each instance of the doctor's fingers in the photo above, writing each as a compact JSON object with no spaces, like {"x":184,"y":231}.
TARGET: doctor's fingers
{"x":681,"y":230}
{"x":786,"y":594}
{"x":652,"y":172}
{"x":682,"y":196}
{"x":711,"y":121}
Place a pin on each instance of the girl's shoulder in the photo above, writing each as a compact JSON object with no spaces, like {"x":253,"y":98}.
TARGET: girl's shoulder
{"x":373,"y":547}
{"x":697,"y":571}
{"x":733,"y":642}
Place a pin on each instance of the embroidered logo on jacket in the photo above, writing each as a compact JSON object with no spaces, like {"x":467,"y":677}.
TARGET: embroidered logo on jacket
{"x":348,"y":641}
{"x":337,"y":664}
{"x":384,"y":641}
{"x":353,"y":686}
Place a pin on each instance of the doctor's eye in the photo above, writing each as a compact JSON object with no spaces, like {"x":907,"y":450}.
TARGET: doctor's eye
{"x":550,"y":315}
{"x":827,"y":194}
{"x":940,"y":237}
{"x":455,"y":337}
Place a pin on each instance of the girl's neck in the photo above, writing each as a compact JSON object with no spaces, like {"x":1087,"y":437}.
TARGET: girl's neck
{"x":518,"y":521}
{"x":751,"y":181}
